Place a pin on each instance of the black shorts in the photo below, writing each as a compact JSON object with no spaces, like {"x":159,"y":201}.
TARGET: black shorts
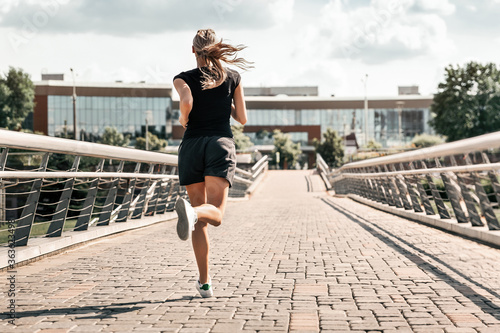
{"x":206,"y":156}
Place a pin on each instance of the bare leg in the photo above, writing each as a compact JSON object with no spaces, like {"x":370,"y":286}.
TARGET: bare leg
{"x":209,"y":201}
{"x":216,"y":193}
{"x":199,"y":237}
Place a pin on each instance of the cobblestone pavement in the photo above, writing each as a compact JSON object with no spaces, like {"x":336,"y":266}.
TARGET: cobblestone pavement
{"x":291,"y":258}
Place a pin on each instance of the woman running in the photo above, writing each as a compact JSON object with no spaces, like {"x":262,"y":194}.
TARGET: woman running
{"x":209,"y":95}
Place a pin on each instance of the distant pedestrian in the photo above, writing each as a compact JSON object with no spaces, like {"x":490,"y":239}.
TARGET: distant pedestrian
{"x":209,"y":95}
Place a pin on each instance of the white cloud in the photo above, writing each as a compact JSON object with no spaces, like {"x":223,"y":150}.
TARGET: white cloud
{"x":282,"y":10}
{"x":125,"y":18}
{"x":384,"y":31}
{"x":443,"y":7}
{"x":329,"y":43}
{"x":472,"y":8}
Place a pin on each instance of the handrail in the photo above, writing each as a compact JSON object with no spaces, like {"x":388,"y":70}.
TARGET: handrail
{"x":27,"y":141}
{"x":324,"y":170}
{"x":262,"y":167}
{"x":259,"y":163}
{"x":424,"y":181}
{"x":69,"y":174}
{"x":243,"y":180}
{"x":320,"y":162}
{"x":465,"y":146}
{"x":243,"y":172}
{"x":80,"y":200}
{"x":454,"y":169}
{"x":249,"y":179}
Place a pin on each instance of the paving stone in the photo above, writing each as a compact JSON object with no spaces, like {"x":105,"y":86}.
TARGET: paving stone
{"x":288,"y":259}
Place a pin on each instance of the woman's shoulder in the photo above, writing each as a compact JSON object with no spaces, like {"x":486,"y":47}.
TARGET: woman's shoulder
{"x":233,"y":76}
{"x":232,"y":73}
{"x":192,"y":73}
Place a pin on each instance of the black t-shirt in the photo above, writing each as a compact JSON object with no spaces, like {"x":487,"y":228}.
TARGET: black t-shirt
{"x":211,"y":110}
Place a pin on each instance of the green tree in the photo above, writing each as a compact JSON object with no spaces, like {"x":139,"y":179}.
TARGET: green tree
{"x":112,"y":137}
{"x":241,"y":141}
{"x":331,"y":148}
{"x":373,"y":145}
{"x":288,"y":151}
{"x":426,"y":140}
{"x":17,"y":98}
{"x":154,"y":143}
{"x":468,"y":102}
{"x":262,"y":134}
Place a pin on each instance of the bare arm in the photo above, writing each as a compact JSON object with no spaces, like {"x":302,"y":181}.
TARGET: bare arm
{"x":186,"y":100}
{"x":239,"y":109}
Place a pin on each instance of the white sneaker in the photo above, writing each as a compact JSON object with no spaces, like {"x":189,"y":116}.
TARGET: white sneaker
{"x":206,"y":289}
{"x":186,"y":218}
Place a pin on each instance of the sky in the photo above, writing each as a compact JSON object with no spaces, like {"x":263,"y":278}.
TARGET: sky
{"x":332,"y":44}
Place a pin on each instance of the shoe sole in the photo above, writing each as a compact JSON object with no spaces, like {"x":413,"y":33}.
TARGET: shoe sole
{"x":182,"y":221}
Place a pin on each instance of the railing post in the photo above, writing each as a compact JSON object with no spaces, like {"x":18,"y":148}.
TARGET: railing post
{"x":470,"y":204}
{"x":172,"y":196}
{"x":443,"y":212}
{"x":57,"y":225}
{"x":415,"y":203}
{"x":3,"y":206}
{"x":484,"y":201}
{"x":107,"y":209}
{"x":388,"y":193}
{"x":25,"y":223}
{"x":372,"y":186}
{"x":429,"y":210}
{"x":128,"y":197}
{"x":155,"y":201}
{"x":161,"y":207}
{"x":85,"y":215}
{"x":366,"y":187}
{"x":380,"y":191}
{"x":453,"y":195}
{"x":403,"y":191}
{"x":493,"y":178}
{"x":141,"y":200}
{"x":394,"y":190}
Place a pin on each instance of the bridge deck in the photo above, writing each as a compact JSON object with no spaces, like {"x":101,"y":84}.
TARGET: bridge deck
{"x":290,"y":259}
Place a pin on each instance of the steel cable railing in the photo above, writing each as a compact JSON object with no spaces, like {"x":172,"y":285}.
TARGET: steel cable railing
{"x":74,"y":187}
{"x":244,"y":179}
{"x":80,"y":185}
{"x":458,"y":180}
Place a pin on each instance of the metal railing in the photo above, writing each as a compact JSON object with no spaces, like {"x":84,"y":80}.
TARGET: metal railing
{"x":49,"y":185}
{"x":458,"y":180}
{"x":244,"y":179}
{"x":77,"y":185}
{"x":323,"y":170}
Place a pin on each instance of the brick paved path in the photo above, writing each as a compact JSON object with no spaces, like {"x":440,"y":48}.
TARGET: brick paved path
{"x":290,"y":259}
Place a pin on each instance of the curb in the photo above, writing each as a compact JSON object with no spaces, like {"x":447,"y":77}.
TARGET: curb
{"x":480,"y":234}
{"x":40,"y":247}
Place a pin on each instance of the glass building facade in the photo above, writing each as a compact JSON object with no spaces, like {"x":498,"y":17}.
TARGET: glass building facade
{"x":95,"y":113}
{"x":383,"y":124}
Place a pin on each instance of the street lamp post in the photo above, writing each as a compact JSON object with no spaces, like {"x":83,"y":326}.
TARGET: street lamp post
{"x":366,"y":110}
{"x":400,"y":126}
{"x":149,"y":114}
{"x":147,"y":139}
{"x":74,"y":106}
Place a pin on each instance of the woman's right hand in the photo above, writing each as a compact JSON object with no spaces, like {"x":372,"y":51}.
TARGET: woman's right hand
{"x":239,"y":109}
{"x":183,"y":121}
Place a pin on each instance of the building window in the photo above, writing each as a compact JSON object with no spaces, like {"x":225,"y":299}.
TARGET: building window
{"x":95,"y":113}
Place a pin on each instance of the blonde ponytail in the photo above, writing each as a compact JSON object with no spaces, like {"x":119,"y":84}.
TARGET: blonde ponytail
{"x":214,"y":52}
